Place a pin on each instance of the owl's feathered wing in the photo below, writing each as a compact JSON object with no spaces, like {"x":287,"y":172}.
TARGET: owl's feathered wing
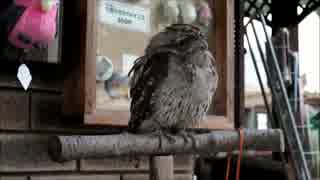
{"x":149,"y":73}
{"x":165,"y":90}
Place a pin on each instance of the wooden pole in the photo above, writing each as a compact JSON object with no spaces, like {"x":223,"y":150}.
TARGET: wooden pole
{"x":161,"y":168}
{"x":65,"y":148}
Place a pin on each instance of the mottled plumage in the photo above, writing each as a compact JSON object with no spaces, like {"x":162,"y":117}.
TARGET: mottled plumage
{"x":172,"y":84}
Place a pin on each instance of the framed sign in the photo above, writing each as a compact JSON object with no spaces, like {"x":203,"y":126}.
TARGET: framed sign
{"x":104,"y":34}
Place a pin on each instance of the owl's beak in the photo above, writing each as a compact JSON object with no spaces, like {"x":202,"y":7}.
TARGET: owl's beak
{"x":46,"y":5}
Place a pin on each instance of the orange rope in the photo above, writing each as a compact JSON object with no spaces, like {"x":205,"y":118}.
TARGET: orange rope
{"x":240,"y":153}
{"x":228,"y":165}
{"x":241,"y":142}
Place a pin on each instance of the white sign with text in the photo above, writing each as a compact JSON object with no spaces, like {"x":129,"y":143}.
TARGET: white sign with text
{"x":124,"y":15}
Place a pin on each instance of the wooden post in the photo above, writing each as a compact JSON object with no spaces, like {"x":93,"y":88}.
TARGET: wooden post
{"x":161,"y":168}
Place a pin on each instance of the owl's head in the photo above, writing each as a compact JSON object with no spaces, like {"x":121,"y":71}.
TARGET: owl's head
{"x":178,"y":37}
{"x":192,"y":45}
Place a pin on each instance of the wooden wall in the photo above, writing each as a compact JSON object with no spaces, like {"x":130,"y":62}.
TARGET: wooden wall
{"x":29,"y":118}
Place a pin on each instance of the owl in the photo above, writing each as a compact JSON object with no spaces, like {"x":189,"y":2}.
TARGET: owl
{"x":172,"y":84}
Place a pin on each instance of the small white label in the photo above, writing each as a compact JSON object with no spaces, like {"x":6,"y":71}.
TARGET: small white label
{"x":24,"y":76}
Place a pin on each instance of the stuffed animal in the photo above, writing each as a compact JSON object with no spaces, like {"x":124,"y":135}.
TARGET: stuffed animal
{"x":36,"y":26}
{"x":27,"y":24}
{"x":204,"y":13}
{"x":187,"y":11}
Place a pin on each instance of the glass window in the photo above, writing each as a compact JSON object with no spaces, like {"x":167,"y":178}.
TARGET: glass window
{"x":124,"y":30}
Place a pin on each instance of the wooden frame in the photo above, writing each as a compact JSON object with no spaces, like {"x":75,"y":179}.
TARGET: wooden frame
{"x":80,"y":86}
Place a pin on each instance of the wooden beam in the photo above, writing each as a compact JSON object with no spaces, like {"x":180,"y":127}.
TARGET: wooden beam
{"x":73,"y":40}
{"x":79,"y":58}
{"x":90,"y":57}
{"x":223,"y":48}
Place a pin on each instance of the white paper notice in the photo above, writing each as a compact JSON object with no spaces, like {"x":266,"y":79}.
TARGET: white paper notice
{"x":24,"y":76}
{"x":124,"y":15}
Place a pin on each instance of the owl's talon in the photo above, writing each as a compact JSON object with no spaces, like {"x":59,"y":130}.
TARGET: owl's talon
{"x":158,"y":134}
{"x":187,"y":137}
{"x":170,"y":138}
{"x":135,"y":161}
{"x":193,"y":140}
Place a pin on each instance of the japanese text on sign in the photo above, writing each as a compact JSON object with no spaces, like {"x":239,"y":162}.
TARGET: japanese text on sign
{"x":124,"y":15}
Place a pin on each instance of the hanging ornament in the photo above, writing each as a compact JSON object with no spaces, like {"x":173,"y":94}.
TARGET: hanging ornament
{"x":169,"y":11}
{"x":104,"y":68}
{"x":117,"y":86}
{"x":204,"y":13}
{"x":188,"y":11}
{"x":24,"y":76}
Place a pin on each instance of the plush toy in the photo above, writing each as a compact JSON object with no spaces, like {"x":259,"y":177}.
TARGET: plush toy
{"x":204,"y":13}
{"x":169,"y":11}
{"x":187,"y":11}
{"x":37,"y":24}
{"x":27,"y":24}
{"x":177,"y":11}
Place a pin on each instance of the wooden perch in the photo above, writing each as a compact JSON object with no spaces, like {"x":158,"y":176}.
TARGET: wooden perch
{"x":64,"y":148}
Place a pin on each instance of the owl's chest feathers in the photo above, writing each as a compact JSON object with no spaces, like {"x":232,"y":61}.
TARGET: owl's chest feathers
{"x":196,"y":82}
{"x":183,"y":101}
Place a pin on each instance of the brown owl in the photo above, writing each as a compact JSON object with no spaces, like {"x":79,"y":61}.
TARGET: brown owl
{"x":173,"y":83}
